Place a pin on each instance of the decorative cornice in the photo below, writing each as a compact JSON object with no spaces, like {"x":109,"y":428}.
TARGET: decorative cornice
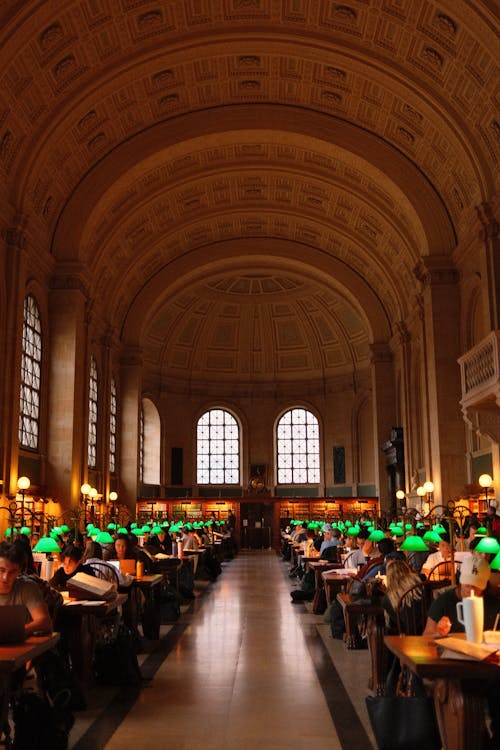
{"x":435,"y":270}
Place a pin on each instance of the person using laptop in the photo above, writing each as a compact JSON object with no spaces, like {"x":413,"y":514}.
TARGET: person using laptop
{"x":18,"y":589}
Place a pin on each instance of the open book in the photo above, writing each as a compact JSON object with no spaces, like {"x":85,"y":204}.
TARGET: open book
{"x":458,"y":648}
{"x":83,"y":586}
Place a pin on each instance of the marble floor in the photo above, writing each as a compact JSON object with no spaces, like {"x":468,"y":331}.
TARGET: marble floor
{"x":242,"y":668}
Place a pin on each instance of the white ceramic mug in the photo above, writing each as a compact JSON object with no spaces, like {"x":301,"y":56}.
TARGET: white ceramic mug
{"x":470,"y":612}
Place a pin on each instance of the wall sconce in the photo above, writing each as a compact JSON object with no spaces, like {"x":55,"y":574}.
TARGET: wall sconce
{"x":23,"y":484}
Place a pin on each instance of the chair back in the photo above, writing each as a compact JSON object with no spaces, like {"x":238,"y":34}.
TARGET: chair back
{"x":105,"y":571}
{"x":411,"y":611}
{"x":442,"y":571}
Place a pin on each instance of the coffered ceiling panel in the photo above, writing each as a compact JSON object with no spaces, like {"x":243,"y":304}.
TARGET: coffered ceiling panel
{"x":245,"y":188}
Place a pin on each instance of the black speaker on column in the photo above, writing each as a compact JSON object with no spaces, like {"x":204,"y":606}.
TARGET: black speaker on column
{"x":176,"y":464}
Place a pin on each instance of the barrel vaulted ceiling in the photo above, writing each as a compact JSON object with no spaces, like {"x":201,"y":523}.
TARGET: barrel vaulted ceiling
{"x":247,"y":186}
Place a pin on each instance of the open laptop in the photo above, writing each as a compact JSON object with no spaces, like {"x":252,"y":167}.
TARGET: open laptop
{"x":12,"y":621}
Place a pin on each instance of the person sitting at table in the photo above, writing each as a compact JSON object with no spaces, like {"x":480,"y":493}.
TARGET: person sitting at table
{"x":189,"y":541}
{"x":160,"y":542}
{"x":330,"y":538}
{"x":399,"y":579}
{"x":376,"y":564}
{"x":72,"y":563}
{"x":123,"y":548}
{"x":15,"y":588}
{"x":474,"y":576}
{"x":442,"y":555}
{"x":442,"y":619}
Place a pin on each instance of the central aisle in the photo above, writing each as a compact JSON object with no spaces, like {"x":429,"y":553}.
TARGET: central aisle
{"x":240,"y":676}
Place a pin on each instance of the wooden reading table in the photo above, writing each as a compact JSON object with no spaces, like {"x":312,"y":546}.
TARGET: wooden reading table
{"x":460,"y":687}
{"x":12,"y":657}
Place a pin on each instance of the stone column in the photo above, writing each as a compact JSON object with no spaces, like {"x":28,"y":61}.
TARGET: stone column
{"x":67,"y":422}
{"x":128,"y":434}
{"x":445,"y":429}
{"x":384,"y":414}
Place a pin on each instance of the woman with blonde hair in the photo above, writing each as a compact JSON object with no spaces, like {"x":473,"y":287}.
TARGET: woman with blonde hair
{"x":400,"y":578}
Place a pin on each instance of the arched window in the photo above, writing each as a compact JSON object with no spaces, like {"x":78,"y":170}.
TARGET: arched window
{"x":151,"y":443}
{"x":31,"y":370}
{"x":297,"y":446}
{"x":218,"y":448}
{"x":93,"y":396}
{"x":112,"y":427}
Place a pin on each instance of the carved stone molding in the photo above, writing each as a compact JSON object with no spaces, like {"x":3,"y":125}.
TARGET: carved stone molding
{"x":490,"y":223}
{"x":436,"y":271}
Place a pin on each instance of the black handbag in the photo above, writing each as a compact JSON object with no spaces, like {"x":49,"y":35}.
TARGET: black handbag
{"x":404,"y":721}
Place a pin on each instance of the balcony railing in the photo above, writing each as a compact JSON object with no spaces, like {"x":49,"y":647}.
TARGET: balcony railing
{"x":480,"y":370}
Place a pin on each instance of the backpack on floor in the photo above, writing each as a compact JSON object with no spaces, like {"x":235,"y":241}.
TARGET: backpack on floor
{"x":115,"y":663}
{"x":38,"y":725}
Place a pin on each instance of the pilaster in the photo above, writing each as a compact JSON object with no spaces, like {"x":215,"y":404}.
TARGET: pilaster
{"x":445,"y":430}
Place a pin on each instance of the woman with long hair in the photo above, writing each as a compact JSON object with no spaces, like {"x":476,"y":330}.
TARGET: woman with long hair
{"x":399,"y":579}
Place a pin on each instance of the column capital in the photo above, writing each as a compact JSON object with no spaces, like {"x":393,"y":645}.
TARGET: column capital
{"x":15,"y":235}
{"x":436,"y":270}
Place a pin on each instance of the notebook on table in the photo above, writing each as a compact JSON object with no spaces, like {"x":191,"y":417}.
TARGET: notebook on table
{"x":12,"y":621}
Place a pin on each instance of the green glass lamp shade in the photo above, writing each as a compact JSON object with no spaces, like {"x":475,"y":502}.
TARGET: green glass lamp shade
{"x":348,"y":523}
{"x":414,"y":543}
{"x":137,"y":532}
{"x":482,"y":530}
{"x":397,"y":531}
{"x":146,"y":529}
{"x":376,"y":535}
{"x":180,"y":524}
{"x":352,"y":531}
{"x":8,"y":532}
{"x":64,"y":528}
{"x":104,"y":537}
{"x":420,"y":525}
{"x":25,"y":530}
{"x":439,"y":528}
{"x":112,"y":526}
{"x":54,"y":534}
{"x":157,"y":530}
{"x":431,"y":536}
{"x":488,"y":545}
{"x":495,"y":563}
{"x":89,"y":526}
{"x":133,"y":525}
{"x":122,"y":530}
{"x":95,"y":531}
{"x":46,"y":544}
{"x":408,"y":526}
{"x":166,"y":524}
{"x":341,"y":525}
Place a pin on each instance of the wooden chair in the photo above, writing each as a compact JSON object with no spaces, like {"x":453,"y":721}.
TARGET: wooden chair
{"x":442,"y":571}
{"x":105,"y":571}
